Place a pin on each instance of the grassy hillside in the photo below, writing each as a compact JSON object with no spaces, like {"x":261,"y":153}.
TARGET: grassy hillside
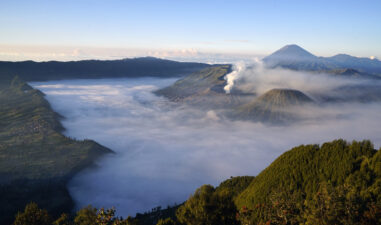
{"x":36,"y":160}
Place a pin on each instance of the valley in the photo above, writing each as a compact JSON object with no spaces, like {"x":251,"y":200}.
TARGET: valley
{"x":157,"y":139}
{"x":168,"y":135}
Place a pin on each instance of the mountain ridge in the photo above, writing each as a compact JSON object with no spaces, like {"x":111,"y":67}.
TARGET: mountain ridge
{"x":94,"y":69}
{"x":297,"y":58}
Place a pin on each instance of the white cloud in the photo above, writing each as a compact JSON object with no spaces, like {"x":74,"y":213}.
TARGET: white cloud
{"x":373,"y":57}
{"x":165,"y":151}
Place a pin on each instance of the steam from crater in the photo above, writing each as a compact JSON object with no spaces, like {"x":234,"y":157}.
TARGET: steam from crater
{"x":164,"y":152}
{"x":234,"y":75}
{"x":256,"y":78}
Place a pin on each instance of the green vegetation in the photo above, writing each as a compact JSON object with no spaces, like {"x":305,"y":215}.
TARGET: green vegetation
{"x":235,"y":185}
{"x":36,"y":160}
{"x":335,"y":183}
{"x":303,"y":168}
{"x":32,"y":146}
{"x":157,"y":214}
{"x":33,"y":215}
{"x":207,"y":206}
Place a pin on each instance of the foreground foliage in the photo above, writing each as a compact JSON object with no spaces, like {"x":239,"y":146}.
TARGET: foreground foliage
{"x":335,"y":183}
{"x":209,"y":207}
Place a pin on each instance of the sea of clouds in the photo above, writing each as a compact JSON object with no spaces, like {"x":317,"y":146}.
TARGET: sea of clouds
{"x":164,"y":151}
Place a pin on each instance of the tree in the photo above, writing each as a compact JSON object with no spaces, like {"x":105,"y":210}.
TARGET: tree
{"x":86,"y":216}
{"x":63,"y":220}
{"x":167,"y":221}
{"x":207,"y":207}
{"x":33,"y":215}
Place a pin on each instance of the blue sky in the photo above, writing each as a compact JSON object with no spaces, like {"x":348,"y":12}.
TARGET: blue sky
{"x":69,"y":28}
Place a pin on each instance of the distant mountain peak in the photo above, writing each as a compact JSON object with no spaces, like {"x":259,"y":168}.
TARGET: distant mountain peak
{"x":292,"y":52}
{"x":295,"y":57}
{"x":292,"y":47}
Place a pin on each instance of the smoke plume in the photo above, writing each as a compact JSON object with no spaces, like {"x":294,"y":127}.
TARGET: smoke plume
{"x":164,"y":151}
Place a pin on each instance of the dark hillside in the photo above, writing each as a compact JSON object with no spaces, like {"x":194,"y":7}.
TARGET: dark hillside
{"x":204,"y":89}
{"x":36,"y":160}
{"x":273,"y":106}
{"x":92,"y":69}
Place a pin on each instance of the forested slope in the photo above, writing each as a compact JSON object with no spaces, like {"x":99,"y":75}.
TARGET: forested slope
{"x":335,"y":183}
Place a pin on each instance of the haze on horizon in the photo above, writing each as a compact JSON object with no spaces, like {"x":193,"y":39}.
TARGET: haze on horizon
{"x":196,"y":30}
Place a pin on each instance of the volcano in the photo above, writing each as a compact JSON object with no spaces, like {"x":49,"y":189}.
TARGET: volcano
{"x":275,"y":106}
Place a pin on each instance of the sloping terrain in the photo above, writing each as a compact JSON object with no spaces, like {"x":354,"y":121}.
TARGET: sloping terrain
{"x":356,"y":165}
{"x":36,"y":160}
{"x":93,"y":69}
{"x":204,"y":88}
{"x":296,"y":58}
{"x":333,"y":183}
{"x":274,"y":106}
{"x":205,"y":81}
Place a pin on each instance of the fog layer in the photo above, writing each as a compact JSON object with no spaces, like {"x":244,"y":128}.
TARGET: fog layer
{"x":255,"y":77}
{"x":164,"y":151}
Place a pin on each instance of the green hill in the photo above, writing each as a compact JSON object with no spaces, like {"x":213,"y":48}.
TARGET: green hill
{"x":335,"y":183}
{"x":36,"y":160}
{"x":302,"y":170}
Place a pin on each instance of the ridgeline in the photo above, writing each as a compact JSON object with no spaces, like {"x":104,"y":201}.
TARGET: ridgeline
{"x":36,"y":160}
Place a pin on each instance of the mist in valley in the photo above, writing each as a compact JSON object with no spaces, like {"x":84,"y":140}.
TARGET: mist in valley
{"x":165,"y":150}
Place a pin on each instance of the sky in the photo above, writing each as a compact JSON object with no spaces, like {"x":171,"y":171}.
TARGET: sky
{"x":77,"y":29}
